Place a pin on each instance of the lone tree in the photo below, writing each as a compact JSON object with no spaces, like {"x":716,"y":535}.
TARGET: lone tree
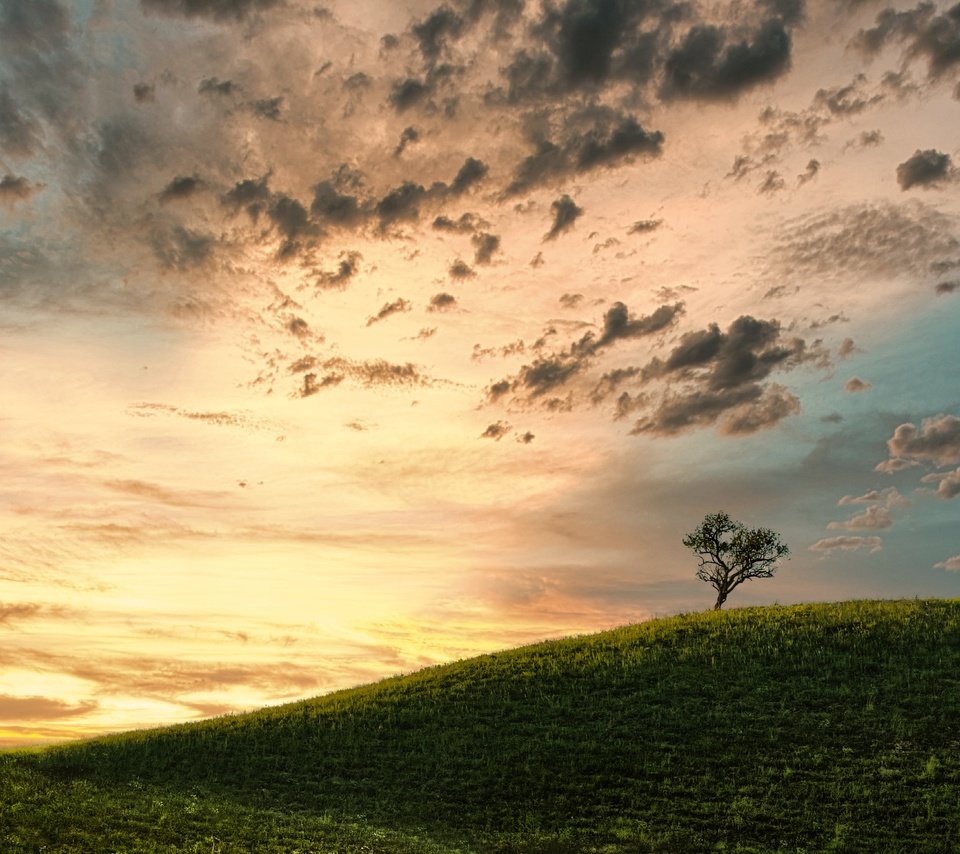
{"x":730,"y":553}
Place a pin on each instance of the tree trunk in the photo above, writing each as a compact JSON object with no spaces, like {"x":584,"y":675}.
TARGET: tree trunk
{"x":721,"y":598}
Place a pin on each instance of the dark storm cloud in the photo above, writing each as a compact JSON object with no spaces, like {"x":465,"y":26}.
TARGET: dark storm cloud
{"x":334,"y":206}
{"x":618,"y":325}
{"x":808,"y":174}
{"x":408,"y":92}
{"x":20,"y":133}
{"x":432,"y":32}
{"x":498,"y":389}
{"x":707,"y":66}
{"x":716,"y":377}
{"x":929,"y":168}
{"x":899,"y":84}
{"x":215,"y":86}
{"x":181,"y":187}
{"x":496,"y":431}
{"x":589,"y":32}
{"x":746,"y":353}
{"x":485,"y":245}
{"x":645,"y":226}
{"x":740,"y":410}
{"x":589,"y":138}
{"x":947,"y":288}
{"x":892,"y":24}
{"x":341,"y":202}
{"x":292,"y":222}
{"x":401,"y":204}
{"x":303,"y":364}
{"x":511,"y":349}
{"x":252,"y":195}
{"x":866,"y":139}
{"x":268,"y":108}
{"x":612,"y":380}
{"x":549,"y":373}
{"x":311,"y":385}
{"x":290,"y":219}
{"x":464,"y":224}
{"x":217,"y":10}
{"x":923,"y":33}
{"x":407,"y":136}
{"x":357,"y":81}
{"x":144,"y":93}
{"x":398,"y":306}
{"x":565,"y":214}
{"x":848,"y":100}
{"x":180,"y":248}
{"x":460,"y":270}
{"x":298,"y":327}
{"x":743,"y":165}
{"x":347,"y":268}
{"x":544,"y":375}
{"x":944,"y":265}
{"x":470,"y":173}
{"x":14,"y":188}
{"x":379,"y":372}
{"x":772,"y":183}
{"x":442,"y":302}
{"x":122,"y":144}
{"x":586,"y":45}
{"x":605,"y":144}
{"x":45,"y":77}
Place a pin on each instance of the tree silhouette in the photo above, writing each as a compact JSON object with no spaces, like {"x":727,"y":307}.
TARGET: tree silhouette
{"x":730,"y":553}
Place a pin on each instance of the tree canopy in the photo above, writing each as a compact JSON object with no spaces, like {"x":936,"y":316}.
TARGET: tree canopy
{"x":730,"y":553}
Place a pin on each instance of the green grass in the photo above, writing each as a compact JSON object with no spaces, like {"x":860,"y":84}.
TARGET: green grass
{"x":804,"y":728}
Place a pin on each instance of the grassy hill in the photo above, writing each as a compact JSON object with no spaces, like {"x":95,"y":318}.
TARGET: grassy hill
{"x":805,"y":728}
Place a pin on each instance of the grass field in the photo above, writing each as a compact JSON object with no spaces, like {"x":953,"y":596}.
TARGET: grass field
{"x":803,"y":728}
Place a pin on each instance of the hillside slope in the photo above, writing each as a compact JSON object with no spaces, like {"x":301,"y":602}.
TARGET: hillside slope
{"x":816,"y":727}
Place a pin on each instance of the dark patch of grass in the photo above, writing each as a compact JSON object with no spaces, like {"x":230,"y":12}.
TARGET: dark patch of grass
{"x":804,"y":728}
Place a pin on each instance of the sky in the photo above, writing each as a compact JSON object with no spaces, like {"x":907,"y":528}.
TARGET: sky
{"x":342,"y":340}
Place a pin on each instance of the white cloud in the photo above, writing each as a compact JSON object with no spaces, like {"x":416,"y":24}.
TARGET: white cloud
{"x":847,"y":544}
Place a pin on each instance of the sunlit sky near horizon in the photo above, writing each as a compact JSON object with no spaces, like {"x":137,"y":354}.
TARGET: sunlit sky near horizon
{"x":341,"y":339}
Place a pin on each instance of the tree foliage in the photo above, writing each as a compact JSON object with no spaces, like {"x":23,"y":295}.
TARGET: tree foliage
{"x":730,"y":553}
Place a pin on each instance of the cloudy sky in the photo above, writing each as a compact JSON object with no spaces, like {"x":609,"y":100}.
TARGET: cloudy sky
{"x":339,"y":340}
